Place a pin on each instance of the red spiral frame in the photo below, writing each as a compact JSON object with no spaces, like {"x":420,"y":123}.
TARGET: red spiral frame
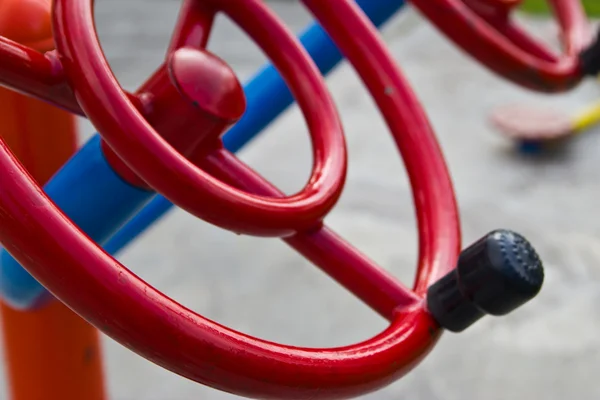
{"x":136,"y":315}
{"x":488,"y":34}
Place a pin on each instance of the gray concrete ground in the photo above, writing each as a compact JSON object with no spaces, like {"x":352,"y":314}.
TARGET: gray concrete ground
{"x":548,"y":350}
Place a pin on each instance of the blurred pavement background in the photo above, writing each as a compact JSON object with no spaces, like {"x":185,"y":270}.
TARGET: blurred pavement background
{"x":548,"y":350}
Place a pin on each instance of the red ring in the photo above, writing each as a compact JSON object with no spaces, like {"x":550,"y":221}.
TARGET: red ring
{"x":164,"y":169}
{"x":495,"y":42}
{"x":124,"y":307}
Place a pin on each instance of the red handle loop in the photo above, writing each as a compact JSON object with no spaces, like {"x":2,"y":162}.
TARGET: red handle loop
{"x":133,"y":313}
{"x":135,"y":141}
{"x":483,"y":29}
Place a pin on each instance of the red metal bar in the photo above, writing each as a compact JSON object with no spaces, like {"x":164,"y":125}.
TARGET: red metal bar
{"x":576,"y":33}
{"x":32,"y":73}
{"x":201,"y":90}
{"x":127,"y":132}
{"x":41,"y":76}
{"x":323,"y":247}
{"x":51,"y":353}
{"x":478,"y":30}
{"x":193,"y":26}
{"x":108,"y":295}
{"x":185,"y":120}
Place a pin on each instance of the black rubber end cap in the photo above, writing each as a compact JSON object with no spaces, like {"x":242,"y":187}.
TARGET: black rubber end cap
{"x":590,"y":58}
{"x":495,"y":275}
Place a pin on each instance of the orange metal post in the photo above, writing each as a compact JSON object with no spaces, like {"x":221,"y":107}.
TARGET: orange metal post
{"x":51,"y":353}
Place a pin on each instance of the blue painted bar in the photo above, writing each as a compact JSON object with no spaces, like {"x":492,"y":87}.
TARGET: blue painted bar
{"x":100,"y":203}
{"x":94,"y":197}
{"x":267,"y":97}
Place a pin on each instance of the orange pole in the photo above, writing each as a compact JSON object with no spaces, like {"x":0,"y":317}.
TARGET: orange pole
{"x":51,"y":353}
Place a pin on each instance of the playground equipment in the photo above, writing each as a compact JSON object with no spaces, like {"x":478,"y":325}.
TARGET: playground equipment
{"x":535,"y":129}
{"x":166,"y":138}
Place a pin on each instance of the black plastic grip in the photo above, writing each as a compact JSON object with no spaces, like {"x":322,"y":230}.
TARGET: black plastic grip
{"x":495,"y":275}
{"x":590,"y":58}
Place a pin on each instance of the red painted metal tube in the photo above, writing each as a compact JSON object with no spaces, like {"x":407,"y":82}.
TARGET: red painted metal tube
{"x":187,"y":121}
{"x":314,"y":202}
{"x":109,"y":296}
{"x":130,"y":311}
{"x":50,"y":353}
{"x":193,"y":25}
{"x":513,"y":57}
{"x":433,"y":194}
{"x":353,"y":270}
{"x":98,"y":287}
{"x":480,"y":28}
{"x":161,"y":166}
{"x":52,"y":346}
{"x":126,"y":308}
{"x":32,"y":73}
{"x":39,"y":75}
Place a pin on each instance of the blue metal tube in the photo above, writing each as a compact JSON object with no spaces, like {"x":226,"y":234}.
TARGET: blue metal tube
{"x":101,"y":203}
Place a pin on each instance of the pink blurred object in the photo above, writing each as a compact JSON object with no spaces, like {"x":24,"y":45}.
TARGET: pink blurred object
{"x":531,"y":124}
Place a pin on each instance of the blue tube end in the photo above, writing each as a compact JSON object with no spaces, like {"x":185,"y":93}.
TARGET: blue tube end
{"x":531,"y":147}
{"x":19,"y":289}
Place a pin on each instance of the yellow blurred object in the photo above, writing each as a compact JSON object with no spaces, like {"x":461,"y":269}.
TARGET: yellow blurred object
{"x":587,"y":118}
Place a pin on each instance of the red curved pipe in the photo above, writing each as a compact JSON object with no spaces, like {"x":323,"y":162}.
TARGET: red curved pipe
{"x":480,"y":27}
{"x":483,"y":29}
{"x":127,"y":132}
{"x":127,"y":309}
{"x":133,"y":313}
{"x":139,"y":317}
{"x":488,"y":36}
